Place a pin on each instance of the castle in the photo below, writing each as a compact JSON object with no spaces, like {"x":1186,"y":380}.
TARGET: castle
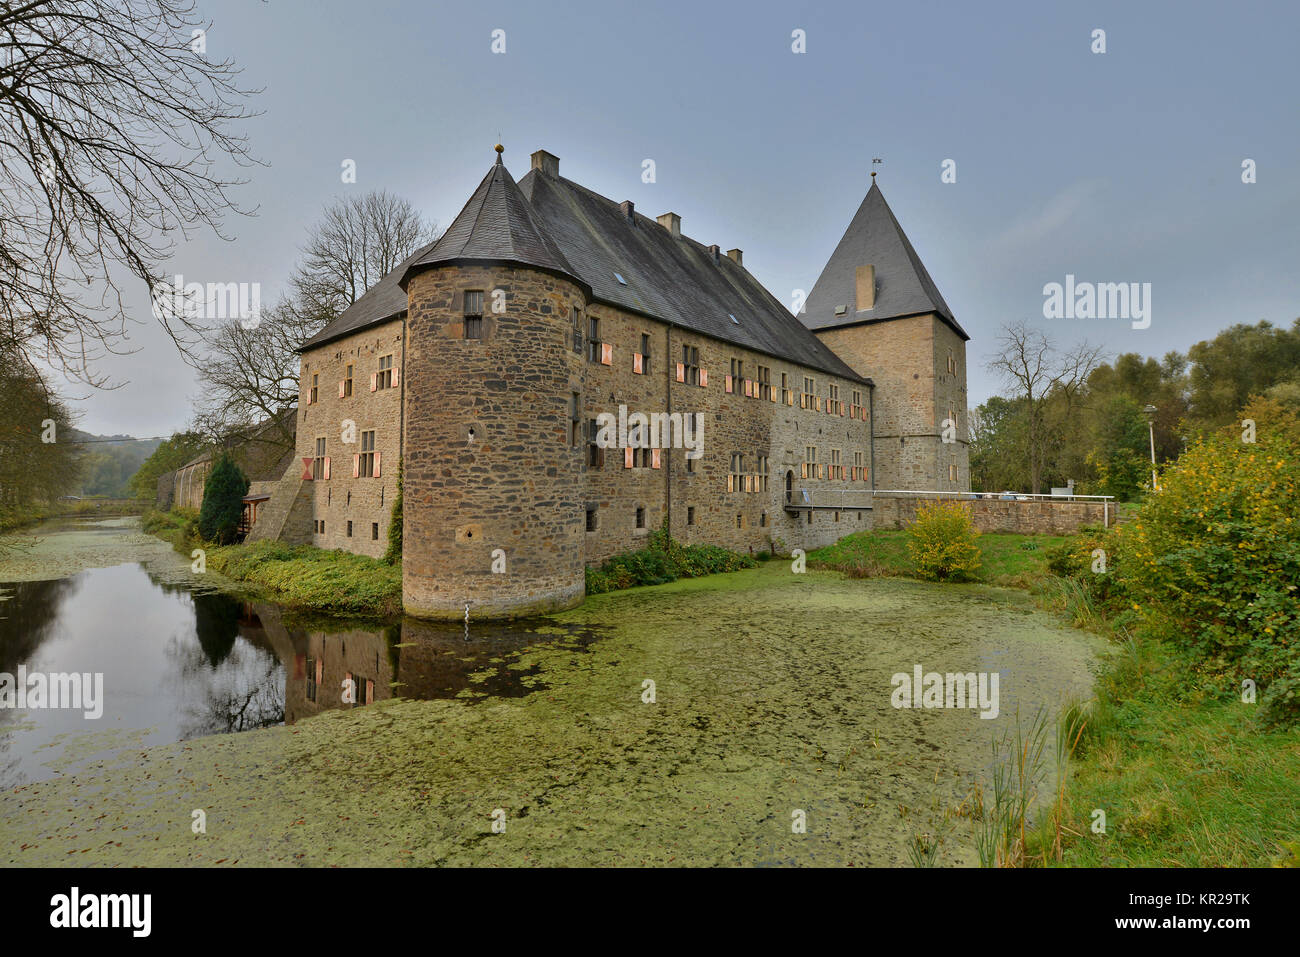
{"x":489,"y":369}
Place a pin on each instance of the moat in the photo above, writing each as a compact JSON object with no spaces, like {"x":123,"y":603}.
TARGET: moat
{"x":771,"y":694}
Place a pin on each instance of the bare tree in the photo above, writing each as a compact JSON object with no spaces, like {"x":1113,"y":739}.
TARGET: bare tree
{"x":357,"y":242}
{"x":1030,"y":364}
{"x":250,"y":374}
{"x":113,"y":124}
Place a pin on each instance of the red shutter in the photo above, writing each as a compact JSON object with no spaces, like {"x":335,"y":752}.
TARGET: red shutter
{"x":841,"y":410}
{"x":306,"y":470}
{"x":341,"y":383}
{"x":320,"y":671}
{"x":654,"y":458}
{"x":627,"y":458}
{"x":731,"y":483}
{"x":356,"y":466}
{"x":373,"y":377}
{"x":606,"y":354}
{"x":370,"y":691}
{"x":704,"y":378}
{"x":726,"y":384}
{"x":636,"y":363}
{"x":327,"y":466}
{"x":803,"y":470}
{"x":376,"y":465}
{"x":396,"y":375}
{"x":681,"y":372}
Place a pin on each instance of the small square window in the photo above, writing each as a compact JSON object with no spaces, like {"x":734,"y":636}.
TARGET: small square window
{"x":473,"y":327}
{"x":591,"y":518}
{"x":690,"y":515}
{"x":640,"y":517}
{"x":374,"y":531}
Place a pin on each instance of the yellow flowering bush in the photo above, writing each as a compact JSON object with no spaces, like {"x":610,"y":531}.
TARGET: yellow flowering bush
{"x":1215,"y":553}
{"x":942,"y":542}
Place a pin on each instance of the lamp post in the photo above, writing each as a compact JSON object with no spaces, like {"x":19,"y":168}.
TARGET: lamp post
{"x":1150,"y":412}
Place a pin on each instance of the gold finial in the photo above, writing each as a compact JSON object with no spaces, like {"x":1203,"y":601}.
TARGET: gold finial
{"x":873,"y":174}
{"x":500,"y":149}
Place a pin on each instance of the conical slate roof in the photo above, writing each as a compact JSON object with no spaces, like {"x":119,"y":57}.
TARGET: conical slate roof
{"x":903,"y":287}
{"x":496,"y":225}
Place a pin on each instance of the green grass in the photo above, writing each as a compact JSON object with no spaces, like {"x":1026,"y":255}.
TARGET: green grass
{"x":1006,"y":559}
{"x":1186,"y":776}
{"x":301,"y":577}
{"x":313,"y":579}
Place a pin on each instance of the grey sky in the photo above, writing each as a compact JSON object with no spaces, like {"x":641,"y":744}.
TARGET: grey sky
{"x":1115,"y":167}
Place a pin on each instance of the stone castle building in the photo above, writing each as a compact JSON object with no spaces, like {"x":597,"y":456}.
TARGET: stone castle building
{"x":559,"y":375}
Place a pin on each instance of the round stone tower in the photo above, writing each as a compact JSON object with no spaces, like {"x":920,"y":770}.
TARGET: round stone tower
{"x":491,"y":483}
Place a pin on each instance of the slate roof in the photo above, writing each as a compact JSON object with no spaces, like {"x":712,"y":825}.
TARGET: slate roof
{"x":496,"y":225}
{"x":903,"y":287}
{"x":383,"y":301}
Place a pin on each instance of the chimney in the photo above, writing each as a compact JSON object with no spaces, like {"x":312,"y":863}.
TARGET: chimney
{"x":735,"y":255}
{"x":548,"y":164}
{"x":866,"y":288}
{"x":628,"y":209}
{"x":673,"y":223}
{"x":713,"y":251}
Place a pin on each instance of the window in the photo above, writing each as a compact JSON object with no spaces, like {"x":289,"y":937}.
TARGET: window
{"x":736,"y":477}
{"x":952,"y":472}
{"x":640,"y":517}
{"x":318,"y":463}
{"x":347,"y":382}
{"x":858,"y":473}
{"x":593,"y":339}
{"x":315,"y":396}
{"x":691,"y":420}
{"x":367,"y":461}
{"x":837,"y":471}
{"x":474,"y":314}
{"x":311,"y":679}
{"x":856,"y":403}
{"x":591,"y":518}
{"x":690,"y":515}
{"x":691,"y":365}
{"x":575,"y":419}
{"x":384,"y":379}
{"x":740,"y":520}
{"x":785,"y":388}
{"x":952,"y":365}
{"x":760,"y":481}
{"x":595,"y":454}
{"x":374,"y":531}
{"x":349,"y":529}
{"x":809,"y":393}
{"x":810,"y":461}
{"x":737,"y":373}
{"x":645,"y":352}
{"x":834,"y":392}
{"x":577,"y":330}
{"x":762,"y":520}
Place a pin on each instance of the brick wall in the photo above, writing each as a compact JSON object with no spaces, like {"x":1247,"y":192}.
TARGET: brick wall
{"x":995,"y":515}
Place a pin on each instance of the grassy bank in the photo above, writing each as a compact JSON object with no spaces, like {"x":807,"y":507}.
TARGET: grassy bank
{"x":16,"y":517}
{"x":1007,"y":560}
{"x":301,"y":577}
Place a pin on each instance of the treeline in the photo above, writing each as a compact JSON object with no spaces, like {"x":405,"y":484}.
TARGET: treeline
{"x":1070,"y":415}
{"x":38,"y":460}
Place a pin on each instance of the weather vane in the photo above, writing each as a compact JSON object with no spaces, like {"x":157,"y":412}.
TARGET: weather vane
{"x":874,"y":161}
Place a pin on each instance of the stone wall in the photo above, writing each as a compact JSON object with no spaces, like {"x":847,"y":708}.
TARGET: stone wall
{"x":349,"y":511}
{"x":995,"y":515}
{"x":915,"y":390}
{"x":490,"y":462}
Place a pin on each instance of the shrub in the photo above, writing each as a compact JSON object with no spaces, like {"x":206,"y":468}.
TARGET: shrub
{"x":942,"y":542}
{"x":223,"y":501}
{"x":1215,"y":553}
{"x":394,"y":554}
{"x":663,"y":560}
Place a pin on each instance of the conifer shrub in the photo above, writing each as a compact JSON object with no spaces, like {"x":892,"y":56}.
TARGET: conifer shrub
{"x":223,"y":501}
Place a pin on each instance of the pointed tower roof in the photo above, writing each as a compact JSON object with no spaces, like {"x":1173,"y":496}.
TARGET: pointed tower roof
{"x":496,"y":225}
{"x":903,"y":287}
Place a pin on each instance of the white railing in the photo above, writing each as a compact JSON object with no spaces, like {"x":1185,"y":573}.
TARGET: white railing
{"x":807,"y":498}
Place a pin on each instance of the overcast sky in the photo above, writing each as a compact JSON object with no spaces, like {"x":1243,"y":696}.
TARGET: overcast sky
{"x":1123,"y":166}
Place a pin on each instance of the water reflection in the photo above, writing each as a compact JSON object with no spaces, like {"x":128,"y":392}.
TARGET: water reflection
{"x":180,"y":663}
